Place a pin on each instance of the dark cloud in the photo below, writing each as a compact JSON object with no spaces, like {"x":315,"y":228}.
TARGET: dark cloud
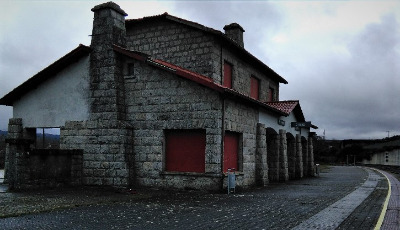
{"x":259,"y":19}
{"x":357,"y":95}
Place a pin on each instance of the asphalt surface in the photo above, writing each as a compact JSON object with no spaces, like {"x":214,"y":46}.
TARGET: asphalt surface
{"x":346,"y":197}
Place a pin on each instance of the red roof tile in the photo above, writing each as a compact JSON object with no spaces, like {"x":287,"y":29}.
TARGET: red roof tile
{"x":284,"y":106}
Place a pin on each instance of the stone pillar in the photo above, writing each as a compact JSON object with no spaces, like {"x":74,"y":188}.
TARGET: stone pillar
{"x":273,"y":156}
{"x":304,"y":144}
{"x":291,"y":153}
{"x":261,"y":156}
{"x":299,"y":157}
{"x":106,"y":77}
{"x":283,"y":164}
{"x":310,"y":156}
{"x":16,"y":165}
{"x":108,"y":153}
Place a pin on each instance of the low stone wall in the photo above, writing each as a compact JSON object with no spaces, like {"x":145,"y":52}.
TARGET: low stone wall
{"x":41,"y":168}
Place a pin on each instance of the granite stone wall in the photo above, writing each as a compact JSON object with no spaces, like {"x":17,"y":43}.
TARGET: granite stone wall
{"x":107,"y":150}
{"x":157,"y":101}
{"x":197,"y":51}
{"x":174,"y":43}
{"x":243,"y":119}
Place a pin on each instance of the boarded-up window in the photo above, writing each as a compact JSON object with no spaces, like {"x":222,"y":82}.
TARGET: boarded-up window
{"x":227,"y":75}
{"x":185,"y":150}
{"x":254,"y":87}
{"x":231,"y":150}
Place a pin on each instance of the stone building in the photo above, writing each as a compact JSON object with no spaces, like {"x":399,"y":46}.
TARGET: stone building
{"x":159,"y":102}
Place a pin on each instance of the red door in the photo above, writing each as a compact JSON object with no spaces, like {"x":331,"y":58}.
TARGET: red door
{"x":227,"y":75}
{"x":231,"y":149}
{"x":185,"y":150}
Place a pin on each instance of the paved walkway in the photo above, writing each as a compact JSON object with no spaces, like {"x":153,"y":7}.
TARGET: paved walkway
{"x":332,"y":216}
{"x":392,"y":216}
{"x":338,"y":197}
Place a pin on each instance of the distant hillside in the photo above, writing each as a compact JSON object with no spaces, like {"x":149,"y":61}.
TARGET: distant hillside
{"x":3,"y":132}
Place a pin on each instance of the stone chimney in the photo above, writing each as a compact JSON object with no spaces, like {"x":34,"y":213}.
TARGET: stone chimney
{"x":106,"y":84}
{"x":235,"y":32}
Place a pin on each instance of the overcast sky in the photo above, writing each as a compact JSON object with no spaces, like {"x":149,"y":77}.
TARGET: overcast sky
{"x":341,"y":58}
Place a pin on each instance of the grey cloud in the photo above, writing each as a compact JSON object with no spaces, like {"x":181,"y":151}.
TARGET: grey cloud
{"x":360,"y":93}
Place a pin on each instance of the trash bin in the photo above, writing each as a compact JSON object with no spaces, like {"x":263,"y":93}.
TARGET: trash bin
{"x":317,"y":169}
{"x":231,"y":180}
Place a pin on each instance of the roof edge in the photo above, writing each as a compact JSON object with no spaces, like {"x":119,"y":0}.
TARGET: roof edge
{"x":193,"y":76}
{"x":45,"y":74}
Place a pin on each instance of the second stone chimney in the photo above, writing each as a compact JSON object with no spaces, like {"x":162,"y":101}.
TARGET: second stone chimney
{"x":235,"y":32}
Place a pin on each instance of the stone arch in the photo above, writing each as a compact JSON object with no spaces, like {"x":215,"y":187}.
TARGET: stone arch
{"x":272,"y":139}
{"x":304,"y":147}
{"x":291,"y":153}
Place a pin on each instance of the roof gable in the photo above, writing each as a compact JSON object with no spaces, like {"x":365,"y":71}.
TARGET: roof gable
{"x":288,"y":107}
{"x":218,"y":34}
{"x":45,"y":74}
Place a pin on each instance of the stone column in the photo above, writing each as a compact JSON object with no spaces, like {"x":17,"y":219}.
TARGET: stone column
{"x":16,"y":165}
{"x":106,"y":77}
{"x":310,"y":156}
{"x":299,"y":157}
{"x":291,"y":153}
{"x":261,"y":156}
{"x":304,"y":144}
{"x":283,"y":164}
{"x":107,"y":159}
{"x":273,"y":156}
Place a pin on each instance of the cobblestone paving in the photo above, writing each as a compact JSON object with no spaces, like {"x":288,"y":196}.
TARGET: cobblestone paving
{"x":278,"y":206}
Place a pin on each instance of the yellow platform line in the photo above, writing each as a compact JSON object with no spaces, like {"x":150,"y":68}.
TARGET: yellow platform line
{"x":382,"y":216}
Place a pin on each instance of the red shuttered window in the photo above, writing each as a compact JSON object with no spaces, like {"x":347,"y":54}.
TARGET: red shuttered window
{"x":185,"y":150}
{"x":231,"y":151}
{"x":271,"y":94}
{"x":227,"y":75}
{"x":254,"y":87}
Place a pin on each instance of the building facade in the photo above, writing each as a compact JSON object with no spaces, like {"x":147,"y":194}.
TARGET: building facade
{"x":161,"y":102}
